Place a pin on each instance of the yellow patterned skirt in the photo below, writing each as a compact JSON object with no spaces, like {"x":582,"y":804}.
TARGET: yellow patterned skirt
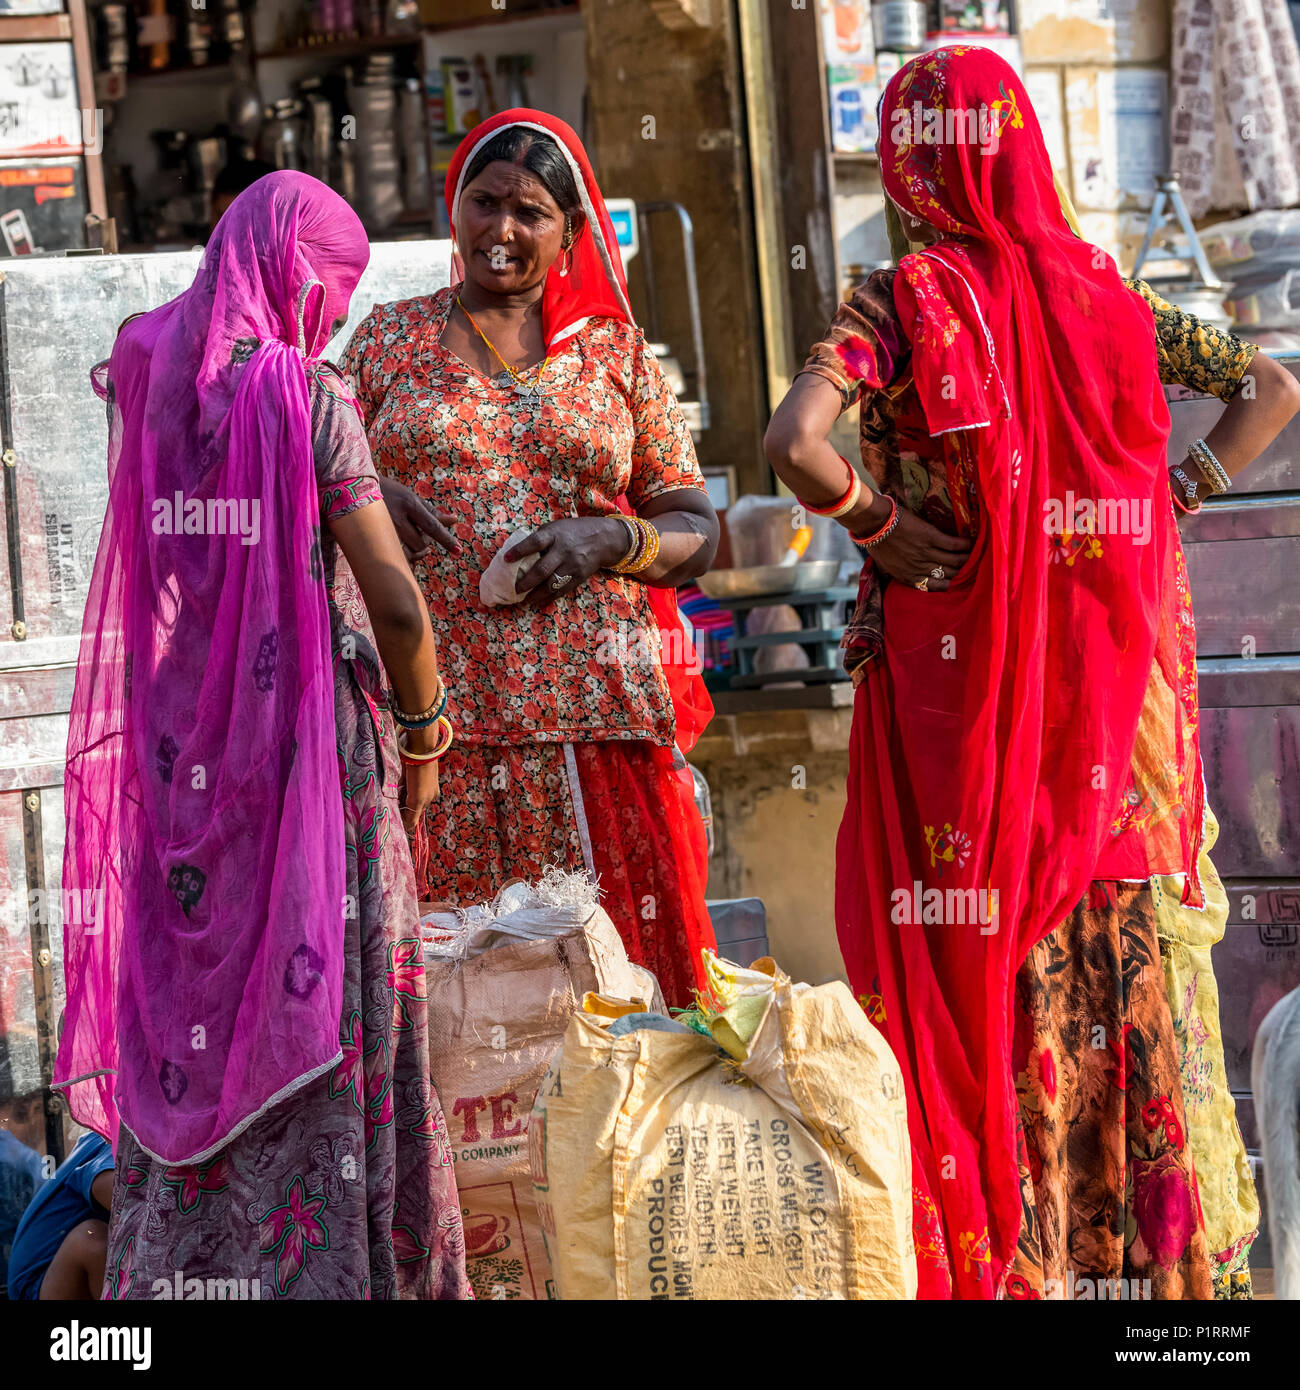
{"x":1227,"y":1191}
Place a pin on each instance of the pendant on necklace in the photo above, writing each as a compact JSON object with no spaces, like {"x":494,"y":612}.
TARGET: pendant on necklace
{"x":528,"y":392}
{"x":502,"y":380}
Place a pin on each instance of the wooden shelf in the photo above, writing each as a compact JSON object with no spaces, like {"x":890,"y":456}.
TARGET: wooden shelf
{"x":340,"y":48}
{"x":34,"y":28}
{"x":220,"y":71}
{"x":505,"y":17}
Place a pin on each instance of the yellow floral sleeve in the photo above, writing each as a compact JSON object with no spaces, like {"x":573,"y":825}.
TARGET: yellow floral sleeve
{"x":1193,"y":353}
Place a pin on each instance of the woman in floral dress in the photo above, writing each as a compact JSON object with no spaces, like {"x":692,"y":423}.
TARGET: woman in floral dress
{"x":252,"y":1012}
{"x":567,"y":705}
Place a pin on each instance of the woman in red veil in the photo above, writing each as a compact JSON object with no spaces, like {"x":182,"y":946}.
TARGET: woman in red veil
{"x":1024,"y":754}
{"x":524,"y":398}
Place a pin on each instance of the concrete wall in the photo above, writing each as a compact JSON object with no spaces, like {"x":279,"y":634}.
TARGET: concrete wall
{"x":777,"y":782}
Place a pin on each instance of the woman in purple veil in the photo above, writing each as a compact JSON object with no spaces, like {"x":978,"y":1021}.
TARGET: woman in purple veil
{"x":246,"y":1016}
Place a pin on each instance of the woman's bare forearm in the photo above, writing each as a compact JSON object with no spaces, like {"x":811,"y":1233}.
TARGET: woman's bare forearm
{"x":688,"y":537}
{"x":398,"y":614}
{"x":798,"y":447}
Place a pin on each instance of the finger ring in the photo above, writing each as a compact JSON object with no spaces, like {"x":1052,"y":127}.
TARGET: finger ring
{"x":937,"y":572}
{"x":922,"y":583}
{"x":558,"y":581}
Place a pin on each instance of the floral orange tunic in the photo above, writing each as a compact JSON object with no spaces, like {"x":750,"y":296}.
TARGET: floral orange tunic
{"x":585,"y":666}
{"x":564,"y":723}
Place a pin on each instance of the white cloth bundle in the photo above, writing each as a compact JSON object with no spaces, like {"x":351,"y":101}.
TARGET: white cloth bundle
{"x":496,"y":585}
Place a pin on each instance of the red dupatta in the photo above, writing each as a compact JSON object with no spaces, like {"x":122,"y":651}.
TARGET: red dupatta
{"x":589,"y":283}
{"x":993,"y":741}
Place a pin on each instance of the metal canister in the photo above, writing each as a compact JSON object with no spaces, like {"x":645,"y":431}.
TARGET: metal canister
{"x":320,"y":130}
{"x":282,"y":136}
{"x":114,"y":37}
{"x":415,"y":147}
{"x":899,"y":24}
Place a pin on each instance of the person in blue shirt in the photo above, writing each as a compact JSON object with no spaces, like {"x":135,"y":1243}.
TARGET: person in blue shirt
{"x":60,"y":1244}
{"x":22,"y":1172}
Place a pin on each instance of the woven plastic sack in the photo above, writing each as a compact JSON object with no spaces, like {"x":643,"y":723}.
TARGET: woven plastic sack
{"x":665,"y":1169}
{"x":503,"y":980}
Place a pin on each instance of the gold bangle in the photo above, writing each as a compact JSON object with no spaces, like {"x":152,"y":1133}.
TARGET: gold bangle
{"x":649,"y":551}
{"x":640,"y":529}
{"x":851,"y":501}
{"x":636,"y":542}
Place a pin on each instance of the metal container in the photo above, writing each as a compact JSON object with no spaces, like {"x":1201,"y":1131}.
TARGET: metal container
{"x":284,"y":135}
{"x":899,"y":24}
{"x":757,"y":581}
{"x":415,"y":147}
{"x":373,"y":100}
{"x":1204,"y":301}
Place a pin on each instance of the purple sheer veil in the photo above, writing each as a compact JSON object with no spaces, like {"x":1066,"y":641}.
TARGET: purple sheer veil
{"x":202,"y":793}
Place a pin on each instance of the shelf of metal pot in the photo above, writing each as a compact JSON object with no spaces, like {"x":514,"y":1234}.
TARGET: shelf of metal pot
{"x":820,"y":613}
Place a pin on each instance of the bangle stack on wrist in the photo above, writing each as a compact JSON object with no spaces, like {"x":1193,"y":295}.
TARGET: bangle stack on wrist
{"x":425,"y":717}
{"x":445,"y":736}
{"x":1203,"y":457}
{"x":1190,"y":505}
{"x":847,"y":501}
{"x":435,"y":714}
{"x":644,"y":549}
{"x":875,"y":537}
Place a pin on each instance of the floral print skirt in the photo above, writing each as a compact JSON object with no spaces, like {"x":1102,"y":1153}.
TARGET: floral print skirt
{"x":614,"y":809}
{"x":1108,"y":1178}
{"x":345,"y":1189}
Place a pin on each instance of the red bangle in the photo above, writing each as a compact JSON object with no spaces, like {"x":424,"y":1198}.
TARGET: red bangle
{"x":841,"y":500}
{"x":880,"y":535}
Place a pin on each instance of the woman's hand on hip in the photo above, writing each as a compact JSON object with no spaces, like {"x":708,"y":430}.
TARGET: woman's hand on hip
{"x":915,"y":549}
{"x":416,"y":523}
{"x":571,"y":550}
{"x":421,"y":781}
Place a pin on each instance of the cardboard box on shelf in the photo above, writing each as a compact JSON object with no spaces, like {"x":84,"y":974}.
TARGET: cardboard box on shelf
{"x":1094,"y":31}
{"x":1116,"y":123}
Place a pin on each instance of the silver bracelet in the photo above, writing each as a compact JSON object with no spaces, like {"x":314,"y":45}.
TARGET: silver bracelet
{"x":1215,"y":475}
{"x":1189,"y":488}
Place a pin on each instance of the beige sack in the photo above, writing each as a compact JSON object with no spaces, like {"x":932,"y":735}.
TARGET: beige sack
{"x":495,"y":1021}
{"x":665,"y":1170}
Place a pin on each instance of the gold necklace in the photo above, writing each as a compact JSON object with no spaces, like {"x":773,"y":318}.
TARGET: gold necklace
{"x":521,"y":386}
